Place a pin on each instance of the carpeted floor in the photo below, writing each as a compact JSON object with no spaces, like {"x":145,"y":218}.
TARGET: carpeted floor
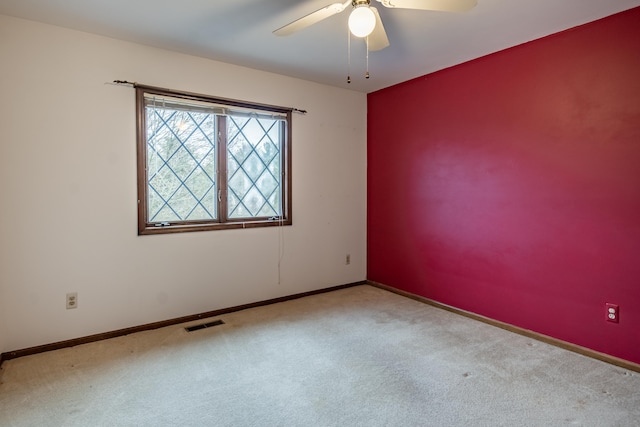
{"x":355,"y":357}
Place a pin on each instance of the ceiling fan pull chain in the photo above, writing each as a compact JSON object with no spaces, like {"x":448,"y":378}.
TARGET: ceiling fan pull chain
{"x":348,"y":55}
{"x":366,"y":75}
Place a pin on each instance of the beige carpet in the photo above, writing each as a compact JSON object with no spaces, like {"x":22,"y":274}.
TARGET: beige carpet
{"x":356,"y":357}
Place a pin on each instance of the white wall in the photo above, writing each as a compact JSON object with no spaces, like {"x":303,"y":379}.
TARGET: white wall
{"x":68,"y":191}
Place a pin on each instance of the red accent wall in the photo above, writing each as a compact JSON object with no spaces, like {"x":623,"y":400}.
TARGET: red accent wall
{"x":509,"y":186}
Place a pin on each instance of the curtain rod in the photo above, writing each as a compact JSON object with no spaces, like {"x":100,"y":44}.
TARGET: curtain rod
{"x":135,"y":84}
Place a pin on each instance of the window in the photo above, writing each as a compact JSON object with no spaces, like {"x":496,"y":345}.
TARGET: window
{"x":207,"y":164}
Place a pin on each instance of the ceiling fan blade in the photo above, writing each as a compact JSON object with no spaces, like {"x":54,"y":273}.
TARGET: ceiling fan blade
{"x":312,"y":18}
{"x":378,"y":38}
{"x":439,"y":5}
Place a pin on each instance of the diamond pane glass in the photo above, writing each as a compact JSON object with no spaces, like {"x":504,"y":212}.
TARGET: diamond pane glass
{"x":239,"y":184}
{"x":253,"y":159}
{"x":274,"y":200}
{"x":267,"y":183}
{"x":232,"y":166}
{"x":253,"y":200}
{"x":253,"y":166}
{"x":167,"y":213}
{"x":267,"y":150}
{"x":181,"y":164}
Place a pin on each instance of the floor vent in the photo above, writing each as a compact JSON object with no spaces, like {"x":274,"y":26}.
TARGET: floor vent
{"x":204,"y":325}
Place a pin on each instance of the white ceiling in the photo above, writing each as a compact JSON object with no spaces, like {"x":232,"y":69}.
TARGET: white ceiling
{"x":240,"y":32}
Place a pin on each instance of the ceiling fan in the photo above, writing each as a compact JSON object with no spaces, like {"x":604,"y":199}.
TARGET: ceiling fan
{"x":364,"y":20}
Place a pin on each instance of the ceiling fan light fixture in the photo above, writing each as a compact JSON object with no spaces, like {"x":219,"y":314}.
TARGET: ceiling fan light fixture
{"x":362,"y":21}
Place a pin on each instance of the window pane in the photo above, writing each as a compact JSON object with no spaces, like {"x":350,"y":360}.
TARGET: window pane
{"x":207,"y":163}
{"x":181,"y":164}
{"x":253,"y":156}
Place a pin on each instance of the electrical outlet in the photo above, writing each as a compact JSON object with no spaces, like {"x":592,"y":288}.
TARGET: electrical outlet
{"x":612,"y":312}
{"x":72,"y":300}
{"x":347,"y":259}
